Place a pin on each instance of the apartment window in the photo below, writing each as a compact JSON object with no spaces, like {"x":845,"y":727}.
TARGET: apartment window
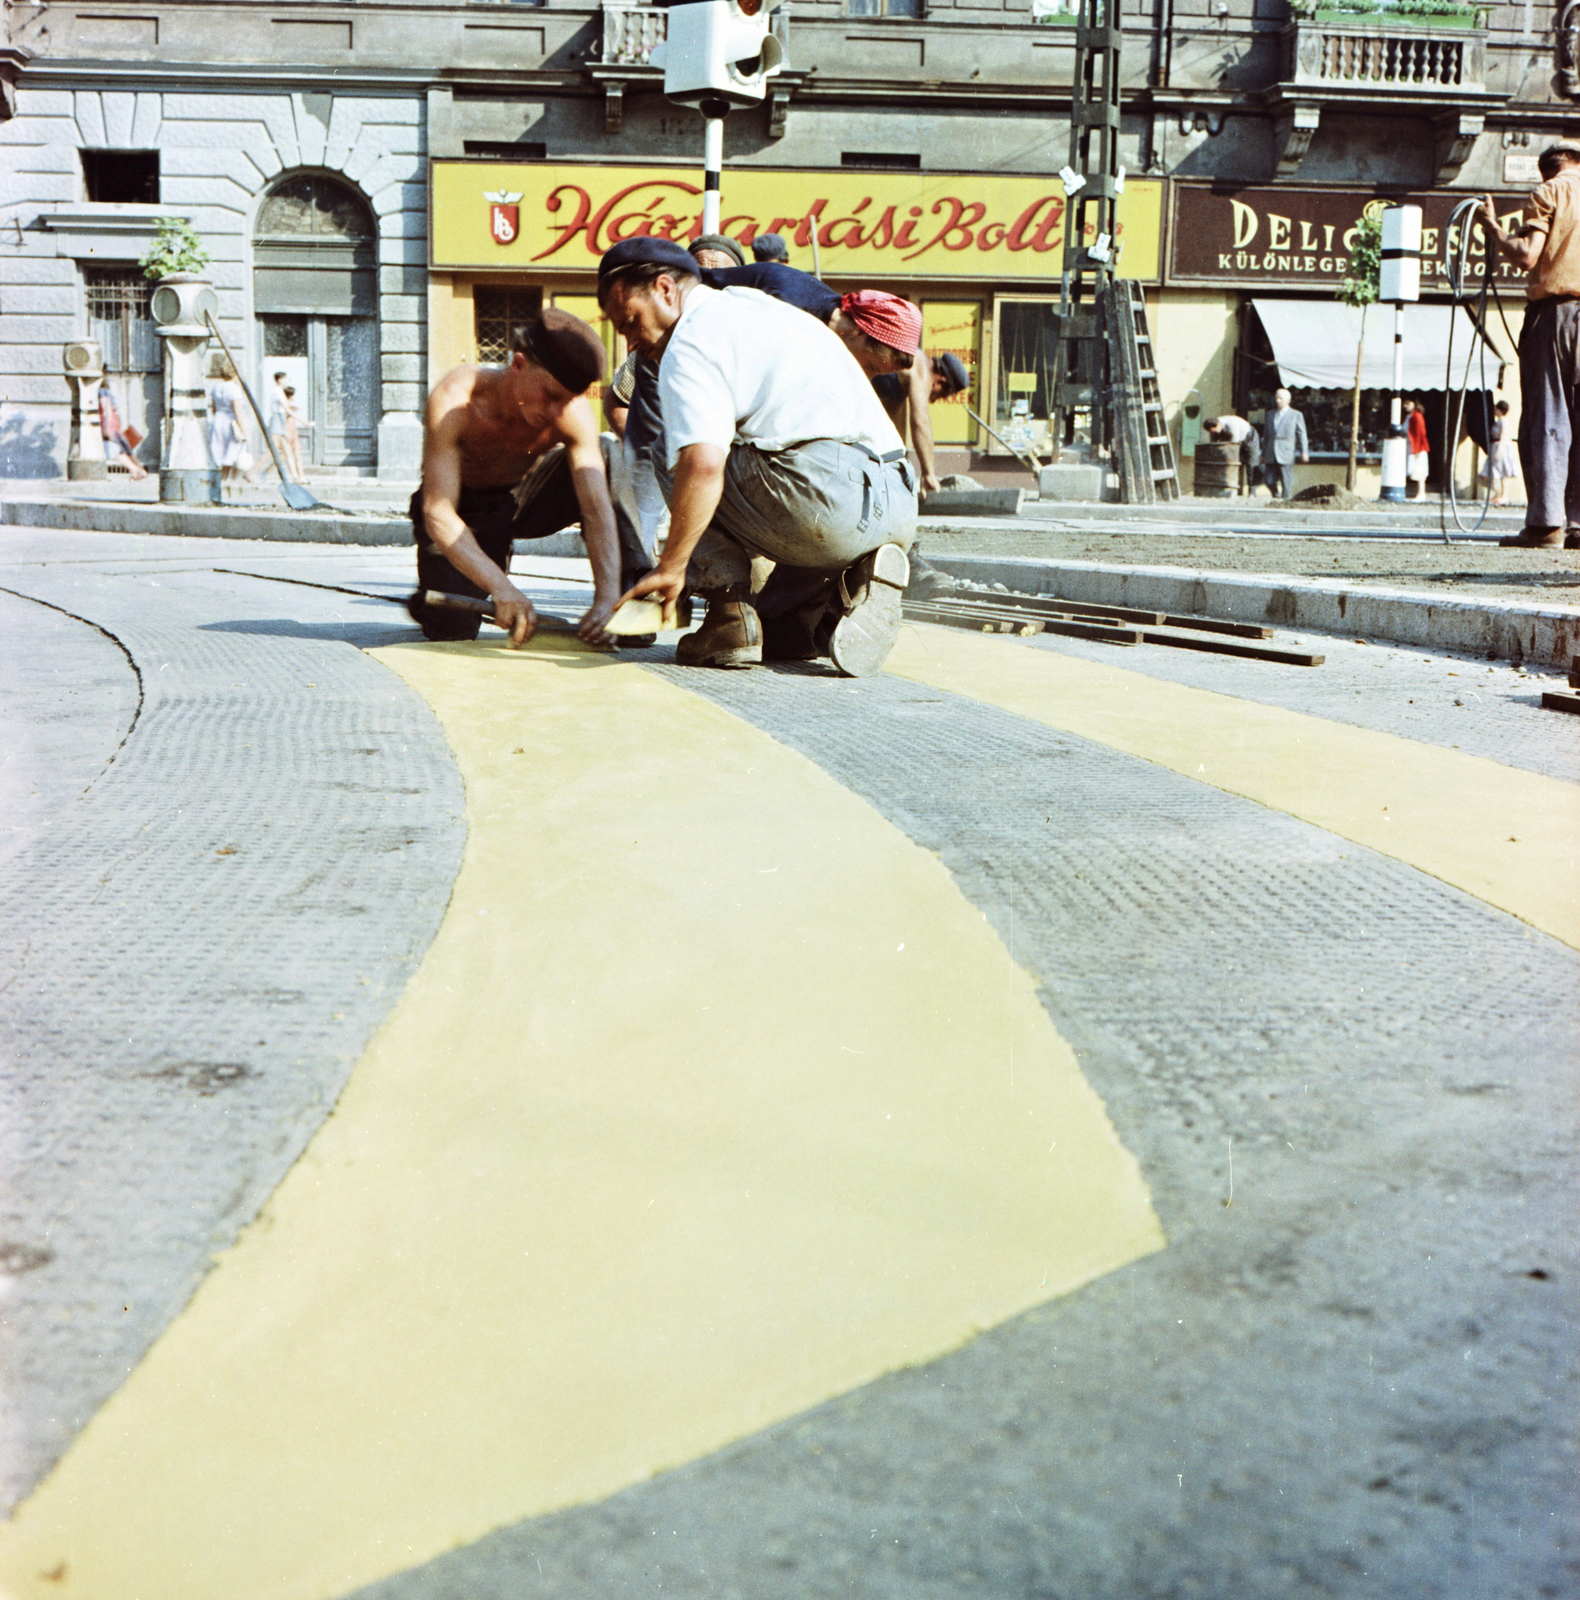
{"x":119,"y":318}
{"x":125,"y":177}
{"x":880,"y":161}
{"x":497,"y":311}
{"x":886,"y":8}
{"x":499,"y":150}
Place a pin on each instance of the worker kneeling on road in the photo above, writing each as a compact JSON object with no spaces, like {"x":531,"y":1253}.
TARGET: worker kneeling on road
{"x":514,"y":455}
{"x":775,"y":446}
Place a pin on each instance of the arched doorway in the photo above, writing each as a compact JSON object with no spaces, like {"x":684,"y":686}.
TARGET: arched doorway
{"x":315,"y":291}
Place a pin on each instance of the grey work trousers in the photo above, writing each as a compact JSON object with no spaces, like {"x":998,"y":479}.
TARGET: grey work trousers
{"x":819,"y":506}
{"x":1550,"y":413}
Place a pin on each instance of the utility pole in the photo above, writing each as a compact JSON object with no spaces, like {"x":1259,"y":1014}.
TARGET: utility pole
{"x":1105,"y":364}
{"x":1092,"y":185}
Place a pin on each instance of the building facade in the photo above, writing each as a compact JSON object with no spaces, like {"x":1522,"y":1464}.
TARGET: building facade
{"x":384,"y":186}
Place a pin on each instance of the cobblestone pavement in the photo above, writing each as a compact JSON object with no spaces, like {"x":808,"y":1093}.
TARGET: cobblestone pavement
{"x":1350,"y":1088}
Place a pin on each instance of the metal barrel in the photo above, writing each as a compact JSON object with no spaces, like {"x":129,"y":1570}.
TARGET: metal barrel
{"x":1217,"y":470}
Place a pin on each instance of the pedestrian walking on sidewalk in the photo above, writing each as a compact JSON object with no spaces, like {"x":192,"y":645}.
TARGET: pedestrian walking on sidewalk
{"x":1503,"y":463}
{"x":1420,"y":454}
{"x":114,"y":434}
{"x":1285,"y":435}
{"x":1547,"y":245}
{"x":227,"y":433}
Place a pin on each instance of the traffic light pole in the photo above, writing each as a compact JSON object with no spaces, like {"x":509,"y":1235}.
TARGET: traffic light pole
{"x":713,"y":115}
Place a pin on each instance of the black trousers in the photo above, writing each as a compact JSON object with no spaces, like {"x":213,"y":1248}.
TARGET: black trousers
{"x":496,"y":525}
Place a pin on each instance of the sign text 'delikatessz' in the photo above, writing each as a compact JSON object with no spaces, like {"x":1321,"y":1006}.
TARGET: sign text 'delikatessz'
{"x":1290,"y":237}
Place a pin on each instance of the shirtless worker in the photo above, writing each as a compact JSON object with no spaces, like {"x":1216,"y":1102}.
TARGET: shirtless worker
{"x":513,"y":454}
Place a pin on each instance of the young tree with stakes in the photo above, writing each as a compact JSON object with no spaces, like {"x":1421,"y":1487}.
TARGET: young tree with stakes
{"x":1360,"y":289}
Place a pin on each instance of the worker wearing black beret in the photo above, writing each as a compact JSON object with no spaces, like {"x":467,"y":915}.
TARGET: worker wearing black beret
{"x":514,"y":454}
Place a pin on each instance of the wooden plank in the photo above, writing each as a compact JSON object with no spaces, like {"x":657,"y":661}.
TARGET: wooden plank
{"x":1085,"y":608}
{"x":1557,"y":700}
{"x":1235,"y":630}
{"x":952,"y":618}
{"x":1248,"y":652}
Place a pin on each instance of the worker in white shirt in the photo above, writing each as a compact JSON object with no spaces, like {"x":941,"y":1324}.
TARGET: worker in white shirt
{"x":1230,"y":429}
{"x":774,"y":445}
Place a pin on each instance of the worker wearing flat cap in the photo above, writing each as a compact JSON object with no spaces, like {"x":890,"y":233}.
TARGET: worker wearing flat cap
{"x":514,"y":454}
{"x":716,"y":250}
{"x":770,"y":247}
{"x":775,"y":445}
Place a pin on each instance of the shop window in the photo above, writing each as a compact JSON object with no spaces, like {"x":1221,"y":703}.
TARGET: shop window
{"x":121,"y":177}
{"x":1026,"y":348}
{"x":497,"y":311}
{"x":1327,"y":411}
{"x":119,"y":318}
{"x":885,"y":8}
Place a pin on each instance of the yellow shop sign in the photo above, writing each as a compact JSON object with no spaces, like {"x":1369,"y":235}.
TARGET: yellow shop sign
{"x":488,"y":216}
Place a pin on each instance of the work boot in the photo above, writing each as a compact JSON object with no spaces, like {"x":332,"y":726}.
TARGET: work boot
{"x":1535,"y":539}
{"x":870,"y":598}
{"x":730,"y":635}
{"x":926,"y":581}
{"x":1572,"y":538}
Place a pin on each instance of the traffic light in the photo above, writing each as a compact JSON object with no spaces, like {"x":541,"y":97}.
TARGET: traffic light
{"x":719,"y":50}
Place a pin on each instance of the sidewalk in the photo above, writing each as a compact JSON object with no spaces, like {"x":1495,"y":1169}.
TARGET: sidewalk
{"x":1386,"y":575}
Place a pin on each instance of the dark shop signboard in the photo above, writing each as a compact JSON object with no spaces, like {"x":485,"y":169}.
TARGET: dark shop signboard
{"x":1300,"y":238}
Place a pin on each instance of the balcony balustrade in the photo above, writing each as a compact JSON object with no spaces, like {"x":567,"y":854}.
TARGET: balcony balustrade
{"x":630,"y":32}
{"x":1379,"y":53}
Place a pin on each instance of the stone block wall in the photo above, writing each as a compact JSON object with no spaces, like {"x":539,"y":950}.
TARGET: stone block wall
{"x":219,"y":154}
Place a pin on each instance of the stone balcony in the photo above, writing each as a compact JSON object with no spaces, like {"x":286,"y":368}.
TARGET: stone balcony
{"x":630,"y":32}
{"x":1383,"y":56}
{"x":1381,"y":64}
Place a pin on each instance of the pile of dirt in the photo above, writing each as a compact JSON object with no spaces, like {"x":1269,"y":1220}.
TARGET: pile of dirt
{"x":1333,"y":497}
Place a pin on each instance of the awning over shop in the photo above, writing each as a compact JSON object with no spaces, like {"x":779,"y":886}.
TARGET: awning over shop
{"x":1314,"y":345}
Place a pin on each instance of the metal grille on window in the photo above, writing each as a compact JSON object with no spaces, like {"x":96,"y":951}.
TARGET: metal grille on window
{"x":119,"y":318}
{"x":497,"y":312}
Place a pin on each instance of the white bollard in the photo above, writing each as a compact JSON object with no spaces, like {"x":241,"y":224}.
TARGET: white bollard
{"x":1396,"y":446}
{"x":186,"y":468}
{"x":84,"y":364}
{"x":1398,"y":280}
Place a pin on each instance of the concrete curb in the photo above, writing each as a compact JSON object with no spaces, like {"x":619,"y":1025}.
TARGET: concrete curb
{"x":190,"y":522}
{"x":1546,"y":635}
{"x":221,"y":522}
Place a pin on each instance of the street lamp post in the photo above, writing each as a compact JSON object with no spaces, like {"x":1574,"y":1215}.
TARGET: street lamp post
{"x":186,"y":468}
{"x":1398,"y":280}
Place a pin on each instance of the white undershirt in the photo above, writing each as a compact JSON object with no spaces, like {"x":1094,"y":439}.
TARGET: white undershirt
{"x":741,"y":365}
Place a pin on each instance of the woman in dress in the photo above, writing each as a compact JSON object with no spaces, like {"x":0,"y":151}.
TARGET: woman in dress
{"x":1420,"y":462}
{"x":115,"y":435}
{"x":1503,"y":464}
{"x":227,"y":434}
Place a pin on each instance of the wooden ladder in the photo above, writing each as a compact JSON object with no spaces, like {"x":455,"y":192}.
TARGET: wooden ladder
{"x":1147,"y":470}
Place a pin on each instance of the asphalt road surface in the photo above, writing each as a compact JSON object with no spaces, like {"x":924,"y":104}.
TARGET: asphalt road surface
{"x":604,"y":1206}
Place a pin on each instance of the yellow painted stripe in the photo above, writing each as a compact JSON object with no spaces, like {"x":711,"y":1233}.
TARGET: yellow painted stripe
{"x":1509,"y":837}
{"x":713,"y":1098}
